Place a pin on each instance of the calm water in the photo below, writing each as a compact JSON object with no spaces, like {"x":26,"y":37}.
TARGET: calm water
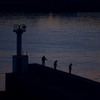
{"x":68,"y":38}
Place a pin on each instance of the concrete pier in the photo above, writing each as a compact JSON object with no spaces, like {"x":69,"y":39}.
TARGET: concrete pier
{"x":44,"y":83}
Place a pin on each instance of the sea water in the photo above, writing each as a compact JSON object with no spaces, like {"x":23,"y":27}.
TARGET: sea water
{"x":66,"y":37}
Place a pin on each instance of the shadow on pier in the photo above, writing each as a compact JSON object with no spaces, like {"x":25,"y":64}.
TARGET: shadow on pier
{"x":44,"y":83}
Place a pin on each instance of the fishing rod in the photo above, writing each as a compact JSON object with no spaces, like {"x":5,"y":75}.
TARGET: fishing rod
{"x":74,"y":72}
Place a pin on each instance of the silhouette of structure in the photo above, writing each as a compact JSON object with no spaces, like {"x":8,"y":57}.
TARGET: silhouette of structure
{"x":44,"y":83}
{"x":43,"y":60}
{"x":20,"y":62}
{"x":55,"y":64}
{"x":70,"y":68}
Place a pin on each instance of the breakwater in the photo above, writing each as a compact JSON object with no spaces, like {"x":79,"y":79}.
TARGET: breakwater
{"x":45,"y":83}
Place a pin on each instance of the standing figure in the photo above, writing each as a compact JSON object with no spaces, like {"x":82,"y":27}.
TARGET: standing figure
{"x":70,"y":68}
{"x":43,"y":60}
{"x":55,"y":64}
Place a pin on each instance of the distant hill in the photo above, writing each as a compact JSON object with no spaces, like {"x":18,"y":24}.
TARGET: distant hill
{"x":49,"y":5}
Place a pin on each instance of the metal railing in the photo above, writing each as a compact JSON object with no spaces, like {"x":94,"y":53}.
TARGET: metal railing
{"x":19,"y":26}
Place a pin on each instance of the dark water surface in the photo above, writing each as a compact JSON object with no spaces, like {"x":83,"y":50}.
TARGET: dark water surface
{"x":66,"y":37}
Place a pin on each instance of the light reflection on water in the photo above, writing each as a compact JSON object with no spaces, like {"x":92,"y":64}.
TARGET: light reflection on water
{"x":68,"y":38}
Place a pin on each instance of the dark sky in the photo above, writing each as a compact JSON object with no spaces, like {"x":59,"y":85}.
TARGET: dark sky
{"x":50,"y":5}
{"x":48,"y":0}
{"x":51,"y":0}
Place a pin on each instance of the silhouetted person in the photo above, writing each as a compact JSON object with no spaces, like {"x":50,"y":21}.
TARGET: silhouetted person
{"x":43,"y":60}
{"x":55,"y":64}
{"x":70,"y":68}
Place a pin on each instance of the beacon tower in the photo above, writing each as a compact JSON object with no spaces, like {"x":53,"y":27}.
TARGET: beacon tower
{"x":20,"y":61}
